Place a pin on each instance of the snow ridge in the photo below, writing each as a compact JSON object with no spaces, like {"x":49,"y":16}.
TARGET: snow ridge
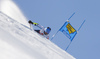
{"x":17,"y":41}
{"x":12,"y":10}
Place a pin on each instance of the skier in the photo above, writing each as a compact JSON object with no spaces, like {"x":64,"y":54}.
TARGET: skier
{"x":43,"y":31}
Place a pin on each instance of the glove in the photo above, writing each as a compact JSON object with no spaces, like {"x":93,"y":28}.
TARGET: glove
{"x":35,"y":23}
{"x":30,"y":22}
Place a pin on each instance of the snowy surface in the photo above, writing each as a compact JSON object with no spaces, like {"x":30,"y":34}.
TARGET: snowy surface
{"x":18,"y":41}
{"x":10,"y":8}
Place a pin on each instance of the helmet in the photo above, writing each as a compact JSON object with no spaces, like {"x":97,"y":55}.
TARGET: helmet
{"x":47,"y":30}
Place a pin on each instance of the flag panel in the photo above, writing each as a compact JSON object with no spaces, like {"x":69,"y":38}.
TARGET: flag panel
{"x":68,"y":30}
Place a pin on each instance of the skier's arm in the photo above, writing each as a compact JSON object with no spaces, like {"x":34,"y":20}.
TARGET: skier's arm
{"x":36,"y":24}
{"x":40,"y":26}
{"x":30,"y":22}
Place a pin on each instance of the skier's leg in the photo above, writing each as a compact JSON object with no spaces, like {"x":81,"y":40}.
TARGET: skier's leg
{"x":38,"y":31}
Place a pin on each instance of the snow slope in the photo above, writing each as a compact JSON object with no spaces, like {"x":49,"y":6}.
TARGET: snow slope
{"x":10,"y":8}
{"x":18,"y":41}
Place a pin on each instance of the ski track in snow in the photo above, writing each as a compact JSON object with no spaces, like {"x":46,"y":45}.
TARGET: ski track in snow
{"x":15,"y":36}
{"x":28,"y":41}
{"x":18,"y":41}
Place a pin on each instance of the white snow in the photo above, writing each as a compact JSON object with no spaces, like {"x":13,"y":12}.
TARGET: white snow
{"x":10,"y":8}
{"x":18,"y":41}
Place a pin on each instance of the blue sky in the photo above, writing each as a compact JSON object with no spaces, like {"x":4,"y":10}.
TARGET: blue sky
{"x":54,"y":13}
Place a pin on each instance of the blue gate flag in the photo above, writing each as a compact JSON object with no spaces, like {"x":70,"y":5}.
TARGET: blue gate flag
{"x":68,"y":30}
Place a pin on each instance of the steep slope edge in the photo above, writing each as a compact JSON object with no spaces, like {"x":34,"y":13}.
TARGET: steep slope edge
{"x":10,"y":8}
{"x":20,"y":42}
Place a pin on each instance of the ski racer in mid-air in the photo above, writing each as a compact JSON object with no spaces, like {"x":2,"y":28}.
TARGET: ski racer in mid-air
{"x":43,"y":31}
